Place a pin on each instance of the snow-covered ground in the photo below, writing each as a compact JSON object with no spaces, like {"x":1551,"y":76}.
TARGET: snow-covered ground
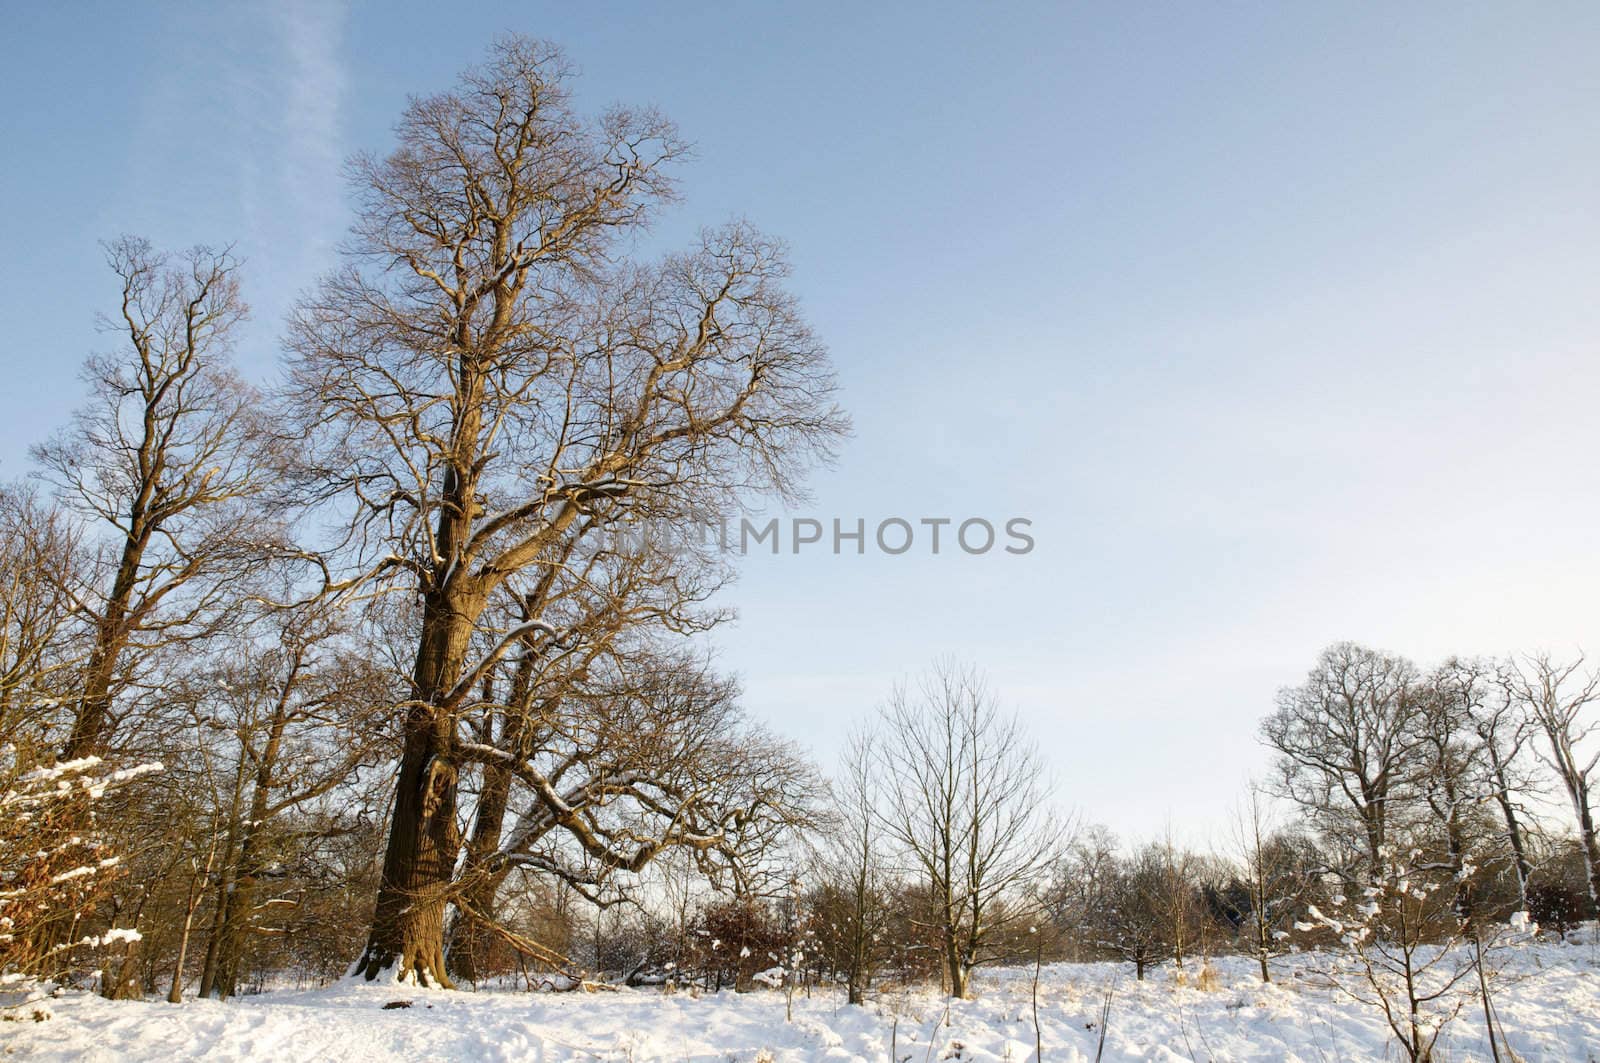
{"x":1549,"y":1004}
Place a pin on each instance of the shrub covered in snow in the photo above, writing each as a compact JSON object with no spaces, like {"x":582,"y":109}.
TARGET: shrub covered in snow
{"x":53,"y":862}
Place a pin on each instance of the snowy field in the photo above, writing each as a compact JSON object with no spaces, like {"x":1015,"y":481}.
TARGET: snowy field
{"x":1549,"y":1001}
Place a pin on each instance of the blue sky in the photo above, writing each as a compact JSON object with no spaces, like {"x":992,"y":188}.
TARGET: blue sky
{"x":1280,"y":323}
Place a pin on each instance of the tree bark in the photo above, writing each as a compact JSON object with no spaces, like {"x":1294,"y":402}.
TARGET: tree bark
{"x":175,"y":993}
{"x":91,"y":723}
{"x":227,"y":870}
{"x":1591,"y":846}
{"x":470,"y":934}
{"x":240,"y":902}
{"x":407,"y":935}
{"x":1519,"y":853}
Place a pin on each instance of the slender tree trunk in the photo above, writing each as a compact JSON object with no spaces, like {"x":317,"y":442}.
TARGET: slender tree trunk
{"x":470,"y":934}
{"x":1038,"y":1034}
{"x":91,"y":723}
{"x":860,"y":942}
{"x":227,"y":871}
{"x":175,"y":993}
{"x":1519,"y":852}
{"x":1263,"y":935}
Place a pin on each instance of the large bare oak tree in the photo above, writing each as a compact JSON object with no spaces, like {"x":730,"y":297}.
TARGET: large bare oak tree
{"x":487,"y":380}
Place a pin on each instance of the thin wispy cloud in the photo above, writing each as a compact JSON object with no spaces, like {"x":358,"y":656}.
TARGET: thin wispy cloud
{"x":314,"y":83}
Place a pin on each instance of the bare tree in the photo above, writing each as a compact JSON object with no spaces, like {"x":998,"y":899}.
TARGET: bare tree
{"x":1346,"y":740}
{"x":622,"y":767}
{"x":1131,"y":915}
{"x":1487,"y":691}
{"x":1400,"y":939}
{"x":1075,"y":893}
{"x":41,"y":649}
{"x":613,"y":607}
{"x":1277,"y":876}
{"x":1452,"y":784}
{"x":855,"y":863}
{"x":485,"y":383}
{"x":968,"y":805}
{"x":289,"y":711}
{"x":1179,"y":899}
{"x":1559,"y":697}
{"x":163,"y":460}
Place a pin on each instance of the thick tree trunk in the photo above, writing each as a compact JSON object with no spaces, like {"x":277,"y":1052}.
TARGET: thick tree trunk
{"x":407,"y":937}
{"x":90,"y":735}
{"x":91,"y":724}
{"x":234,"y":938}
{"x":408,"y":925}
{"x":1372,"y":822}
{"x":238,"y":912}
{"x":1591,"y":847}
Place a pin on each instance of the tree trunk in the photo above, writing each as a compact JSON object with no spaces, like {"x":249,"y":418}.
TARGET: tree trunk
{"x":239,"y":904}
{"x":1591,"y":846}
{"x":407,"y":935}
{"x":954,"y":967}
{"x":126,"y":985}
{"x":1456,"y":848}
{"x":470,"y":933}
{"x":219,"y":914}
{"x":175,"y":993}
{"x":408,"y":925}
{"x":91,"y":723}
{"x":859,"y":976}
{"x":1519,"y":854}
{"x":1372,"y":821}
{"x":238,"y":910}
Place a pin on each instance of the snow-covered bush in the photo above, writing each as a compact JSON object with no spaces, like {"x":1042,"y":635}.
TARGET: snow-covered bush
{"x":53,"y":862}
